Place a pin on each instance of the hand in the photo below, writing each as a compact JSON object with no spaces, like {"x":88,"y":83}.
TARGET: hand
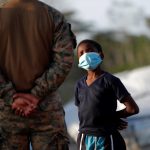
{"x":121,"y":123}
{"x":33,"y":100}
{"x":22,"y":106}
{"x":25,"y":104}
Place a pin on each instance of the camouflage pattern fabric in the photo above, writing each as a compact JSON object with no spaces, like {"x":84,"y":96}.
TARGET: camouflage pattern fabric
{"x":64,"y":42}
{"x":6,"y":90}
{"x":45,"y":129}
{"x":3,"y":2}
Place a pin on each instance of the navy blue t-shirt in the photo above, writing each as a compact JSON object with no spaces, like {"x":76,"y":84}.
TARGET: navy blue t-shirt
{"x":97,"y":103}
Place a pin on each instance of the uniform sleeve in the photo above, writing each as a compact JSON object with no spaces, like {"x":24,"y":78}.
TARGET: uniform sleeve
{"x":119,"y":89}
{"x":64,"y":43}
{"x":6,"y":90}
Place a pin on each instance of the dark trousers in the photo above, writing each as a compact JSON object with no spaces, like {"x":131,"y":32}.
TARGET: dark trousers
{"x":45,"y":130}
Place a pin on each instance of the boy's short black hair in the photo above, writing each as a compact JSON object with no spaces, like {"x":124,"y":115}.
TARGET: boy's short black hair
{"x":93,"y":43}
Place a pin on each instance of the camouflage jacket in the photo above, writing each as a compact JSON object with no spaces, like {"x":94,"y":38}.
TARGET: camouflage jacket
{"x":63,"y":44}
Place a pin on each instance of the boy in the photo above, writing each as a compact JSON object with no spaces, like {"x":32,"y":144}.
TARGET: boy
{"x":96,"y":96}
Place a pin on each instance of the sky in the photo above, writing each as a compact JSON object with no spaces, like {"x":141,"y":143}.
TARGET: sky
{"x":99,"y":13}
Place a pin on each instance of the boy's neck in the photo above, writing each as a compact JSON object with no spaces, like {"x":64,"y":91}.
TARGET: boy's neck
{"x":94,"y":74}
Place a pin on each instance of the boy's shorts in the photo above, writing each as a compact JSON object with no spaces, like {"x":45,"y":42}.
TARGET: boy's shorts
{"x":111,"y":142}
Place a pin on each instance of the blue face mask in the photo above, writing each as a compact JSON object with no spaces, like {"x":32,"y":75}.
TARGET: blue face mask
{"x":90,"y":61}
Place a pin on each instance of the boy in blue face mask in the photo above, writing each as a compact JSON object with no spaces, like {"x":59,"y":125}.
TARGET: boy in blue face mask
{"x":96,"y":96}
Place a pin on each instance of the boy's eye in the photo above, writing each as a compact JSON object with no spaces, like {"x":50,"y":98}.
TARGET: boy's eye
{"x":81,"y":53}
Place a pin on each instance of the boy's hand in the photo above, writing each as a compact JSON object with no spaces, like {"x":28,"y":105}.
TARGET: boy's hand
{"x":121,"y":123}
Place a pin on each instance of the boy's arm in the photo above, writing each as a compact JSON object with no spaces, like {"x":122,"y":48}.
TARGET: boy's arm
{"x":64,"y":43}
{"x":131,"y":108}
{"x":124,"y":97}
{"x":7,"y":90}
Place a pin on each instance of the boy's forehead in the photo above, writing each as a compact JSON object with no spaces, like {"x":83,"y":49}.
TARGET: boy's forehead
{"x":86,"y":45}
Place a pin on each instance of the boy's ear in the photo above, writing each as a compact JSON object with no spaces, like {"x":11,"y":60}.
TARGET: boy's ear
{"x":102,"y":55}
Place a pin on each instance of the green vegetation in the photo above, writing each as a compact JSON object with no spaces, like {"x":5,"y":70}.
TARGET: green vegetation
{"x":127,"y":53}
{"x":122,"y":52}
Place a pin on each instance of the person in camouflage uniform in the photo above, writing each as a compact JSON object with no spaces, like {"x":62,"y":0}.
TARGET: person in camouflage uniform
{"x":36,"y":54}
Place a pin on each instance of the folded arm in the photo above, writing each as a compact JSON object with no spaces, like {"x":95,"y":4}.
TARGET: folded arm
{"x":131,"y":108}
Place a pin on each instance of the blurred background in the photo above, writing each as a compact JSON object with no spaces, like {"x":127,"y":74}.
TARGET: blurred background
{"x":123,"y":29}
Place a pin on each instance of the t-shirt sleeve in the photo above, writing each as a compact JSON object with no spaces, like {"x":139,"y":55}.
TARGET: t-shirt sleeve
{"x":76,"y":95}
{"x":120,"y":90}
